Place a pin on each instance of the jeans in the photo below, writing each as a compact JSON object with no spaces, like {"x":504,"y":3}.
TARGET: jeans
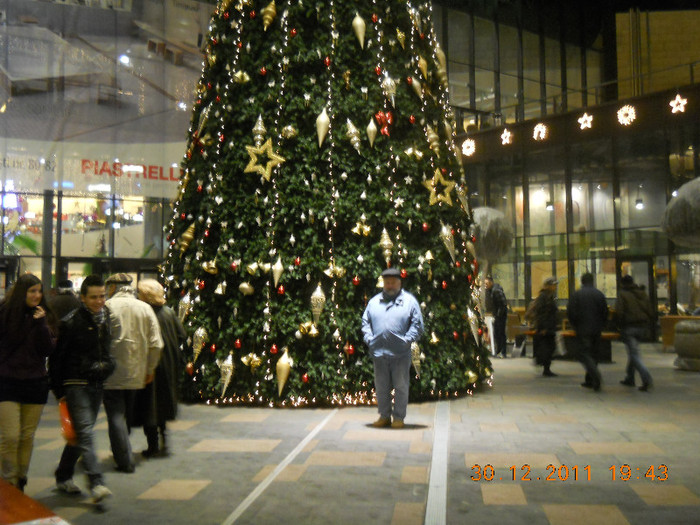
{"x":18,"y":422}
{"x":499,"y":334}
{"x":83,"y":405}
{"x":392,"y":372}
{"x":587,"y":345}
{"x":630,"y":336}
{"x":119,"y":405}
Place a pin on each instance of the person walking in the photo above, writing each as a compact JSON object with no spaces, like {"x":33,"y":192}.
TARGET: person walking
{"x":544,"y":316}
{"x":156,"y":404}
{"x":27,"y":338}
{"x":78,"y":368}
{"x":136,"y":346}
{"x":588,"y":313}
{"x":497,"y":305}
{"x":390,"y":323}
{"x":635,"y":318}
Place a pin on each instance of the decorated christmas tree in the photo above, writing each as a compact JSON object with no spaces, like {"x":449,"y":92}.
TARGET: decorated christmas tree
{"x":321,"y":151}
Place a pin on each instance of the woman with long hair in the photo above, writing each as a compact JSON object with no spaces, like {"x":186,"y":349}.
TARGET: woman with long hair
{"x":27,"y":338}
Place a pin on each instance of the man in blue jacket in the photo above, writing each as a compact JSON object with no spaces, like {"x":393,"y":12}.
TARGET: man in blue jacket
{"x":391,"y":322}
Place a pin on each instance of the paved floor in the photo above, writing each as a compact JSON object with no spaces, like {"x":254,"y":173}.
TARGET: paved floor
{"x":455,"y":462}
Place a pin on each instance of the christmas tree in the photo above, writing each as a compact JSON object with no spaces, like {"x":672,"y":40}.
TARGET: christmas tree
{"x":321,"y":151}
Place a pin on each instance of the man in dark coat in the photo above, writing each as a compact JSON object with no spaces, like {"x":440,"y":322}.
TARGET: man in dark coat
{"x":544,"y":317}
{"x":635,"y":317}
{"x":497,"y":305}
{"x":588,"y":314}
{"x":65,"y":300}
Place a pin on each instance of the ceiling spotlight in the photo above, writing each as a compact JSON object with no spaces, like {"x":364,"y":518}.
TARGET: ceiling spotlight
{"x":549,"y":206}
{"x":639,"y":204}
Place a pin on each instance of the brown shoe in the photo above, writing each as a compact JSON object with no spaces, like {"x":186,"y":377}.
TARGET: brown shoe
{"x":397,"y":423}
{"x":382,"y":422}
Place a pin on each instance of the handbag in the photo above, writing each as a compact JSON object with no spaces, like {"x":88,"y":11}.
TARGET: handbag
{"x":67,"y":429}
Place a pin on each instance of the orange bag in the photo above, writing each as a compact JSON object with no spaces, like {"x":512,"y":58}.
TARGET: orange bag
{"x":67,"y":429}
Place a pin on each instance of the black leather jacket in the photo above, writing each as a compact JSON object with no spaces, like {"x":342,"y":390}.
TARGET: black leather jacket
{"x":82,"y":353}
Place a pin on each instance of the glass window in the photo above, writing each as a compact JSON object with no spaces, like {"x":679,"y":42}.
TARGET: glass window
{"x":85,"y":226}
{"x":546,"y":191}
{"x":484,"y":36}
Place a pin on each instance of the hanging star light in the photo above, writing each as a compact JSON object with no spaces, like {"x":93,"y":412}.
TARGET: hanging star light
{"x":506,"y":137}
{"x":265,"y":170}
{"x":433,"y":184}
{"x":678,"y":104}
{"x":626,"y":115}
{"x":586,"y":121}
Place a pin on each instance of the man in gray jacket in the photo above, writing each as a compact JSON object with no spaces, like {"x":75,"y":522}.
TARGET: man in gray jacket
{"x":136,"y":347}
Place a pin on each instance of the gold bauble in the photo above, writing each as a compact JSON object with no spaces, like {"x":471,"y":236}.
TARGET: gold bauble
{"x":259,"y":131}
{"x":448,"y":240}
{"x":417,"y":87}
{"x":433,"y":140}
{"x":253,"y":268}
{"x":210,"y":267}
{"x":184,"y":307}
{"x":199,"y":339}
{"x":423,"y":66}
{"x":269,"y":13}
{"x":246,"y":289}
{"x":284,"y":365}
{"x":240,"y":77}
{"x":322,"y":125}
{"x":434,"y":339}
{"x":371,"y":132}
{"x":289,"y":132}
{"x":359,"y":27}
{"x":277,"y":270}
{"x":386,"y":245}
{"x":472,"y":377}
{"x":353,"y":134}
{"x":252,"y":360}
{"x":227,"y":367}
{"x":401,"y":37}
{"x":186,"y":238}
{"x":318,"y":300}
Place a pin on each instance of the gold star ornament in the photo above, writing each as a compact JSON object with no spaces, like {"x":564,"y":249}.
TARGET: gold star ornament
{"x":273,"y":159}
{"x":439,"y":188}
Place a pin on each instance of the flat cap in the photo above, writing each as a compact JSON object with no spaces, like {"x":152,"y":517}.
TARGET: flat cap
{"x":391,"y":272}
{"x":119,"y":278}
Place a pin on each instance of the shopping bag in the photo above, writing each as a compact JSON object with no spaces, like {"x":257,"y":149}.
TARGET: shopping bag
{"x":560,"y":348}
{"x":67,"y":429}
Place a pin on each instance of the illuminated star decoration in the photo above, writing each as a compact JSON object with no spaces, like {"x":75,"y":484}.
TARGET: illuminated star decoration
{"x":586,"y":121}
{"x":273,"y":159}
{"x":678,"y":104}
{"x":432,"y":186}
{"x":506,"y":137}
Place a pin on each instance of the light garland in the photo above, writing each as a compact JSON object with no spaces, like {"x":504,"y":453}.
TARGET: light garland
{"x":586,"y":121}
{"x":678,"y":104}
{"x":540,"y":131}
{"x":626,"y":115}
{"x":469,"y":147}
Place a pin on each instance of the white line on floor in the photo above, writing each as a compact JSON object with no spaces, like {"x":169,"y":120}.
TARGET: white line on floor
{"x":238,"y":512}
{"x":436,"y":508}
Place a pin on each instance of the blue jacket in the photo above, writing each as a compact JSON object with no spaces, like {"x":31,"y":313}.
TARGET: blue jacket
{"x":389,"y":327}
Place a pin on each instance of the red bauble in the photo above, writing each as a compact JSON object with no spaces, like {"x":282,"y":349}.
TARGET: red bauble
{"x":201,"y":285}
{"x":280,"y":290}
{"x":252,"y":14}
{"x":351,"y":349}
{"x":412,"y":119}
{"x":293,"y":32}
{"x":378,"y":70}
{"x":199,"y":188}
{"x":234,"y":266}
{"x":327,"y":61}
{"x":189,"y":368}
{"x":206,"y":233}
{"x":422,"y":36}
{"x":374,"y":17}
{"x":444,"y":285}
{"x":237,"y":344}
{"x":208,"y":85}
{"x":221,"y":137}
{"x":409,"y":80}
{"x":404,"y":273}
{"x":189,"y":154}
{"x":297,"y":261}
{"x":458,"y":264}
{"x":305,"y":378}
{"x":239,"y":45}
{"x":213,"y":348}
{"x":452,"y":231}
{"x":455,"y":335}
{"x":274,"y":349}
{"x":226,"y":15}
{"x":444,"y":171}
{"x":214,"y":41}
{"x":480,"y":331}
{"x":426,"y":226}
{"x":183,"y":216}
{"x":263,"y":71}
{"x":356,"y":280}
{"x":470,"y":278}
{"x":473,"y":238}
{"x":218,"y":98}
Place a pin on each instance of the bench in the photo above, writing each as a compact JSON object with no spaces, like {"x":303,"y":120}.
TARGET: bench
{"x":603,"y":353}
{"x":156,"y":46}
{"x":174,"y":55}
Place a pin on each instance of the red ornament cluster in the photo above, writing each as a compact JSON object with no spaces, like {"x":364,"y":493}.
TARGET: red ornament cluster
{"x":384,"y":120}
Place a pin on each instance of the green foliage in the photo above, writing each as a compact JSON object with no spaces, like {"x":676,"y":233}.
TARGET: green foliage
{"x":307,"y":60}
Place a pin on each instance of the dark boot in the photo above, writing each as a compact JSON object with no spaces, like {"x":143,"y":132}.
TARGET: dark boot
{"x":21,"y":483}
{"x":163,"y":441}
{"x":151,"y":433}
